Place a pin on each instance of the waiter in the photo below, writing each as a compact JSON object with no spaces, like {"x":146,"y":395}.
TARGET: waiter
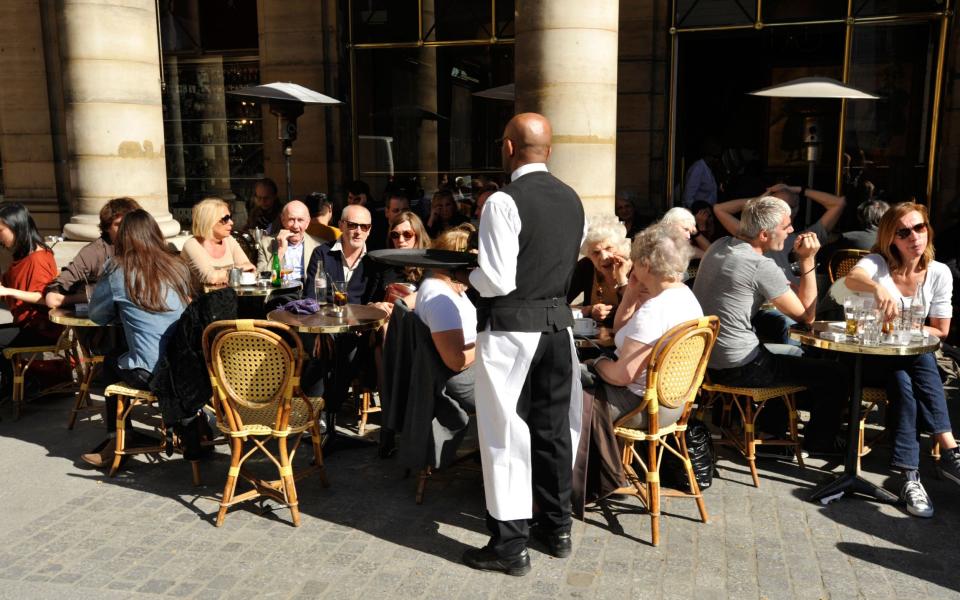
{"x":528,"y":402}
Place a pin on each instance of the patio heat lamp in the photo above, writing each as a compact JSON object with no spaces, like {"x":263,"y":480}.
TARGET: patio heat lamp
{"x":817,"y":88}
{"x":286,"y":101}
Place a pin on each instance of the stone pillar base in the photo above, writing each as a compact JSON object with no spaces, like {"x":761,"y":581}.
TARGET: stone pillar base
{"x":87,"y":227}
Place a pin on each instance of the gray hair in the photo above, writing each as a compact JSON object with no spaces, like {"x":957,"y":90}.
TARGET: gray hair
{"x":762,"y":214}
{"x":678,"y":216}
{"x":870,"y":212}
{"x":606,"y":229}
{"x":662,"y":251}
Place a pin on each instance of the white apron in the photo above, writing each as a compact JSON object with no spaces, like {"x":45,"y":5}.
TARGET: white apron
{"x":502,"y":366}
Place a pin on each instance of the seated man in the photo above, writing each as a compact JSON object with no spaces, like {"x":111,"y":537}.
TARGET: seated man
{"x":735,"y":277}
{"x":773,"y":325}
{"x":87,"y":266}
{"x":292,"y":243}
{"x":319,"y":226}
{"x":347,"y":267}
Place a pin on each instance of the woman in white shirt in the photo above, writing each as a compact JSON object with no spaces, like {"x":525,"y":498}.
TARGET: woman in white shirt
{"x":659,"y":257}
{"x":900,"y":267}
{"x":442,"y":304}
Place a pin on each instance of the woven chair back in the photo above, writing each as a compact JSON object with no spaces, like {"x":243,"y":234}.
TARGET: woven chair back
{"x":255,"y":366}
{"x":679,"y":361}
{"x":842,"y":262}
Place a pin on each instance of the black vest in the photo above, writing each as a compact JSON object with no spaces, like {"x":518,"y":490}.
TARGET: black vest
{"x":551,"y":227}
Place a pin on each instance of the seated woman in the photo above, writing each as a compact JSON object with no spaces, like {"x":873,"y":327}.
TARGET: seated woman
{"x":22,"y":286}
{"x":902,"y":266}
{"x":601,"y":275}
{"x":406,"y":233}
{"x":147,"y":287}
{"x":444,"y":213}
{"x":442,"y":304}
{"x":659,"y":256}
{"x":685,"y":225}
{"x":212,"y":251}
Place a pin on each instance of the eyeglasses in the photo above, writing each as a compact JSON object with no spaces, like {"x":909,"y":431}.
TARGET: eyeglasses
{"x":904,"y":232}
{"x":361,"y":226}
{"x":395,"y":235}
{"x":226,"y":219}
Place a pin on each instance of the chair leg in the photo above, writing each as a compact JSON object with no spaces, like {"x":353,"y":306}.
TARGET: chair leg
{"x":691,"y":478}
{"x":653,"y":491}
{"x":83,"y":396}
{"x":422,"y":483}
{"x":121,"y":433}
{"x":236,"y":450}
{"x":750,"y":439}
{"x":794,"y":419}
{"x":364,"y":410}
{"x":289,"y":485}
{"x":17,"y":392}
{"x":318,"y":453}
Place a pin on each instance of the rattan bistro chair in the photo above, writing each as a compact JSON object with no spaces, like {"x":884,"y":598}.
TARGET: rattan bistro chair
{"x":674,"y":374}
{"x":21,"y":358}
{"x":254,"y":368}
{"x":842,"y":261}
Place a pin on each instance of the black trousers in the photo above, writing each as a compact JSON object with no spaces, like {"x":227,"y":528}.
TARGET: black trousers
{"x":544,"y":404}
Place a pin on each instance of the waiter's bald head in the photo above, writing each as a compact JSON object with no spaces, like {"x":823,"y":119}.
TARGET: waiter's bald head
{"x":526,"y":139}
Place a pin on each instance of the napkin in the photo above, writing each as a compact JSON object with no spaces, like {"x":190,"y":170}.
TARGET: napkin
{"x":307,"y":306}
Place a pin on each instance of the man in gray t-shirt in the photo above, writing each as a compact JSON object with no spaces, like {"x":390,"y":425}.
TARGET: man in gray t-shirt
{"x":734,"y":279}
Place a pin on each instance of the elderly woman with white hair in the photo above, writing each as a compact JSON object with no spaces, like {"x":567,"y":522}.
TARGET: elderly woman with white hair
{"x":602,"y":274}
{"x":684,"y":224}
{"x":659,"y":256}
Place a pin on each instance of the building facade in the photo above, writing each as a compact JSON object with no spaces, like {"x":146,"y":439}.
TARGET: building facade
{"x":104,"y":98}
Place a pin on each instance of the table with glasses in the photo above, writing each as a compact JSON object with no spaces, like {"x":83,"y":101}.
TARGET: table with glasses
{"x":88,"y":361}
{"x":255,"y":290}
{"x":355,"y":318}
{"x":830,"y":336}
{"x":601,"y":338}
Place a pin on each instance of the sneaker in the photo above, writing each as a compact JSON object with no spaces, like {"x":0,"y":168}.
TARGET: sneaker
{"x":949,"y":465}
{"x":916,"y":498}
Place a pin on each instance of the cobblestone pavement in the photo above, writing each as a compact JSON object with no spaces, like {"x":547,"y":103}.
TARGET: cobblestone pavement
{"x":69,"y":532}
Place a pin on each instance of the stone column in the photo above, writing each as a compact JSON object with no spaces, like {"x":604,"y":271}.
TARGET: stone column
{"x":566,"y":69}
{"x":114,"y":114}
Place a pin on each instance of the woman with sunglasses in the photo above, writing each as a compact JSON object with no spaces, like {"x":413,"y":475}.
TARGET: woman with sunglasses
{"x":212,"y":251}
{"x":902,"y":266}
{"x":406,"y":233}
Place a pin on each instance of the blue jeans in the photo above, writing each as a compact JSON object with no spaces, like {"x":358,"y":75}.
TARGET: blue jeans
{"x":916,"y":395}
{"x":773,"y":326}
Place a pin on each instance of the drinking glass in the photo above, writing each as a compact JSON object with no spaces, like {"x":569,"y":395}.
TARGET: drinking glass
{"x":339,"y":290}
{"x":851,"y":306}
{"x":871,"y":322}
{"x":918,"y":316}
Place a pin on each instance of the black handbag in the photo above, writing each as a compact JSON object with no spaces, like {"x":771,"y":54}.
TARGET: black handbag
{"x":702,"y":458}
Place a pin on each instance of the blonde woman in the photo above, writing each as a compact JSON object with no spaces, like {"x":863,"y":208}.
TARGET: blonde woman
{"x":212,"y":251}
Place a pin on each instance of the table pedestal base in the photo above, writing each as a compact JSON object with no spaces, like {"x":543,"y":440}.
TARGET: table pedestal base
{"x":849,"y":484}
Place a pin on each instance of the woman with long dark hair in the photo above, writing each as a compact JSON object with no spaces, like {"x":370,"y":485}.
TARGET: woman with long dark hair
{"x":22,"y":285}
{"x":146,"y":286}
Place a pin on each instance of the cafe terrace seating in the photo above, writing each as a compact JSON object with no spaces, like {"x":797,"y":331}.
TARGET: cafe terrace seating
{"x":677,"y":366}
{"x":23,"y":357}
{"x":255,"y":367}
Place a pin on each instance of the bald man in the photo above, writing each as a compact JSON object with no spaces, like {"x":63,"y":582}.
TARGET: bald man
{"x":347,"y":266}
{"x":528,"y":402}
{"x":294,"y":245}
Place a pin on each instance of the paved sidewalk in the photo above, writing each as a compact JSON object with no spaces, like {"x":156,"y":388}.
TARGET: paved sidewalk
{"x":68,"y":532}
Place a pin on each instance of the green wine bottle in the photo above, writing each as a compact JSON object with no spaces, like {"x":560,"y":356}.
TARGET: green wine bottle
{"x":277,"y":280}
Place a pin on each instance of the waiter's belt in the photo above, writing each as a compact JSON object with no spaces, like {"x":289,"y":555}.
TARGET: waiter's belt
{"x":517,"y":314}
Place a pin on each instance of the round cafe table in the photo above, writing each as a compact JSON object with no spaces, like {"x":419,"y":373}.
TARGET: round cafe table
{"x":89,"y":361}
{"x":254,"y":291}
{"x":850,"y":482}
{"x":355,"y":317}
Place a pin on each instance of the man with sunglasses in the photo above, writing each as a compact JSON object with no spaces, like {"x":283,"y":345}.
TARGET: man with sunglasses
{"x":347,"y":267}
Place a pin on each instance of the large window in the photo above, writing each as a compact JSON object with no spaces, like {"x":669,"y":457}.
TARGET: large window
{"x":728,"y":48}
{"x":416,"y":69}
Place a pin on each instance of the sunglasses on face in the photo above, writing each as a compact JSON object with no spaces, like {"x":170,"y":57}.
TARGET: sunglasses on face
{"x":396,"y":235}
{"x":361,"y":226}
{"x":904,"y":232}
{"x":226,"y":219}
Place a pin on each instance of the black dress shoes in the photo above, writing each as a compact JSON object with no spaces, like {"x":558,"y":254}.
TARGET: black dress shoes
{"x":558,"y":544}
{"x":485,"y":559}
